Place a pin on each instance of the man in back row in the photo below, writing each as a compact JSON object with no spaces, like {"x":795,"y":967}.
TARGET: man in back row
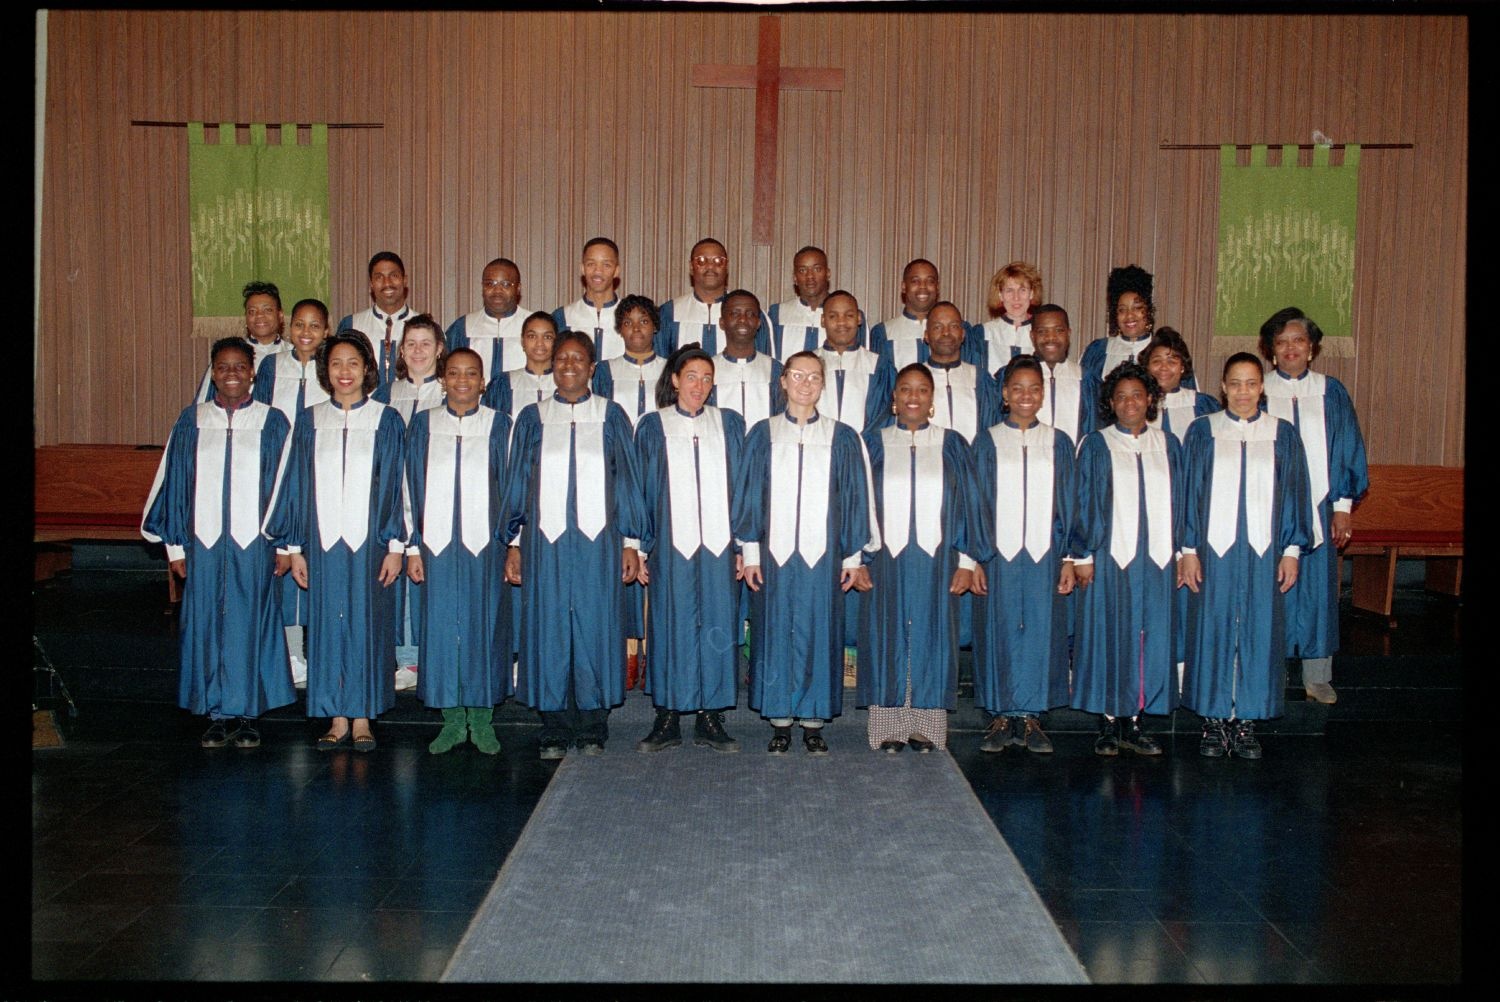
{"x":385,"y":321}
{"x":495,"y":330}
{"x":695,"y":316}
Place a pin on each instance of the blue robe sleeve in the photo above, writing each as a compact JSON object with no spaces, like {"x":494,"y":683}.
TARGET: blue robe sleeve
{"x":457,"y":334}
{"x":1088,"y":406}
{"x":778,"y":395}
{"x":878,"y":339}
{"x":1093,"y":493}
{"x":346,"y":324}
{"x":763,"y":334}
{"x":1294,"y":490}
{"x":264,"y":386}
{"x":206,"y":388}
{"x":1092,"y":362}
{"x":1197,"y":475}
{"x":650,"y":454}
{"x":987,"y":396}
{"x":1179,"y":494}
{"x":497,"y":394}
{"x":1205,"y":404}
{"x":1064,"y":493}
{"x":666,"y":334}
{"x":755,"y":470}
{"x":501,"y":471}
{"x":560,"y":319}
{"x":169,"y":514}
{"x":970,"y":534}
{"x":287,"y":523}
{"x":275,"y":437}
{"x":975,"y":348}
{"x":1348,"y":469}
{"x":878,"y":396}
{"x":603,"y":383}
{"x":382,"y":394}
{"x":734,"y":462}
{"x":525,"y":447}
{"x":852,"y":489}
{"x":418,"y":437}
{"x":628,"y":502}
{"x":982,"y":462}
{"x":385,"y":480}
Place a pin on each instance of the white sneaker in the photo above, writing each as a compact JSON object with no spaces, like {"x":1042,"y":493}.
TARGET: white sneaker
{"x":406,"y":677}
{"x":1322,"y":692}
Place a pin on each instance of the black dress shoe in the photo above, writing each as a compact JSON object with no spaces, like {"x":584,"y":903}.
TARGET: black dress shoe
{"x":812,"y":740}
{"x":1108,"y":741}
{"x":781,"y":740}
{"x":215,"y":736}
{"x":709,"y":733}
{"x":919,"y":743}
{"x":665,"y":733}
{"x":892,"y":747}
{"x":1215,"y":742}
{"x":245,"y":735}
{"x":551,"y":752}
{"x":1035,"y":739}
{"x":1242,"y":739}
{"x":998,"y":735}
{"x":1138,"y":741}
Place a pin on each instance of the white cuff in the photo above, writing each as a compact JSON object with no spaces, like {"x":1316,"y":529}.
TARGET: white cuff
{"x":1083,"y":561}
{"x":395,"y":546}
{"x":1295,"y":552}
{"x":282,"y":551}
{"x":412,"y":551}
{"x":1187,"y":551}
{"x":852,"y":563}
{"x":175,"y":552}
{"x":291,"y":551}
{"x":750,"y":553}
{"x":1344,"y":504}
{"x":632,"y":544}
{"x":966,"y":562}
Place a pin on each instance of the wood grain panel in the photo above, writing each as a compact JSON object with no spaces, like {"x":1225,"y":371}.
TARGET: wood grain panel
{"x":970,"y":139}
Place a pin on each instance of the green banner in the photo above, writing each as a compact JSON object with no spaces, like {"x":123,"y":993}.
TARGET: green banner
{"x":1286,"y":238}
{"x":257,"y":212}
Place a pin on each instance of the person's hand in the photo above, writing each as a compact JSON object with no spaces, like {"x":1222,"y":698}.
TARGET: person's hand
{"x":1083,"y":574}
{"x":282,"y":565}
{"x":513,"y":565}
{"x":1190,"y":572}
{"x":390,"y":570}
{"x":861,"y":580}
{"x":1342,"y":529}
{"x":178,"y":566}
{"x":1067,"y":578}
{"x":642,"y":576}
{"x":752,"y":577}
{"x":981,"y":582}
{"x":1286,"y":573}
{"x":299,"y":570}
{"x":963,"y":581}
{"x":414,"y":568}
{"x":630,"y":565}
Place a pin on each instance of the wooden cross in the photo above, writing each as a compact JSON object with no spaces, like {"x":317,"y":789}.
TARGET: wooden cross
{"x":768,"y":77}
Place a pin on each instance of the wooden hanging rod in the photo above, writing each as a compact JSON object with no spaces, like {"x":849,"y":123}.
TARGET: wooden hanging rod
{"x":1300,"y":146}
{"x":246,"y":125}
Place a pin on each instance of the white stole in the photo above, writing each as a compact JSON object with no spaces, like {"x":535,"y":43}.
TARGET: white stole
{"x":796,"y":321}
{"x":688,"y":312}
{"x":498,"y":342}
{"x":343,"y":464}
{"x":1000,"y":336}
{"x":462,"y":443}
{"x":626,"y":377}
{"x":1257,"y":440}
{"x":408,"y":398}
{"x":289,"y":378}
{"x":1181,"y":402}
{"x":1062,"y":385}
{"x":371,"y":323}
{"x":528,"y":388}
{"x":1151,"y":450}
{"x":697,"y":480}
{"x":925,"y":449}
{"x":955,"y":398}
{"x":744,"y":386}
{"x":1308,"y":418}
{"x":905,"y":335}
{"x":217,"y":429}
{"x":801,"y":458}
{"x":582,"y":315}
{"x":1023,"y":489}
{"x":583,"y":422}
{"x":858,"y":366}
{"x":1117,"y":350}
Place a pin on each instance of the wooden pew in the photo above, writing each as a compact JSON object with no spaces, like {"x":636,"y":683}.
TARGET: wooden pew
{"x":92,"y":492}
{"x":1410,"y":511}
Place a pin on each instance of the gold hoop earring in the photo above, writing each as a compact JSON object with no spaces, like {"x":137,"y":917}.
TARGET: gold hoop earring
{"x":931,"y":411}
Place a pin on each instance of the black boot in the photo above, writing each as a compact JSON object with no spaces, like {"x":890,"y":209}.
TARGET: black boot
{"x":1242,"y":739}
{"x":709,"y":732}
{"x":665,"y":733}
{"x":1138,"y":741}
{"x":1108,"y":741}
{"x":1215,"y":743}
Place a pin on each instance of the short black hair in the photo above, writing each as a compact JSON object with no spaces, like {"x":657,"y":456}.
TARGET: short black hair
{"x":391,"y":256}
{"x":1233,"y":360}
{"x":261,"y":289}
{"x":235,"y":343}
{"x":574,"y":337}
{"x":601,"y":242}
{"x":507,"y":262}
{"x":1051,"y":308}
{"x":448,"y":357}
{"x":811,"y":248}
{"x":1021,"y":363}
{"x":1166,"y":337}
{"x":742,"y":292}
{"x":912,"y":264}
{"x":1128,"y":370}
{"x":1277,"y":323}
{"x":635,"y":301}
{"x":316,"y":304}
{"x":708,"y":240}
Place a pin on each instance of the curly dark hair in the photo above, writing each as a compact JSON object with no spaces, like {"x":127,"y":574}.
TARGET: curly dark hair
{"x":1128,"y":370}
{"x":1277,"y":323}
{"x":1168,"y":338}
{"x":423,"y":321}
{"x":261,"y":289}
{"x":1130,"y":278}
{"x":666,"y":393}
{"x":635,"y":301}
{"x":359,"y":343}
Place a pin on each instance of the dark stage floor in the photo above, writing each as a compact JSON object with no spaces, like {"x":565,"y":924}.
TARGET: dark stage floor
{"x":1336,"y":858}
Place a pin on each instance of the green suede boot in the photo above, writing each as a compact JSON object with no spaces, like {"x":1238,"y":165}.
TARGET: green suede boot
{"x":452,"y":734}
{"x":482,"y":731}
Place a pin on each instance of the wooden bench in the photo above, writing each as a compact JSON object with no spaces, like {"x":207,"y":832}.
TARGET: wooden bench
{"x":92,"y":492}
{"x":1410,"y":511}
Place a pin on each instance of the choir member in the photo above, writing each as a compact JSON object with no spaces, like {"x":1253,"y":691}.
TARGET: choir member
{"x":859,"y":381}
{"x":899,"y":339}
{"x":494,"y":330}
{"x":509,"y":392}
{"x":263,"y":328}
{"x":1065,"y":404}
{"x":694,"y":316}
{"x":385,"y":319}
{"x":1015,"y":291}
{"x":594,"y":312}
{"x":745,"y":380}
{"x":1168,"y":359}
{"x":797,"y":323}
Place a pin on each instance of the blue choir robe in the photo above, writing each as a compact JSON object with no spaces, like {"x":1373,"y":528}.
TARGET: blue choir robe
{"x":455,"y":479}
{"x":1129,"y":492}
{"x":806,"y":516}
{"x":287,"y":384}
{"x":1338,"y":475}
{"x":857,"y":387}
{"x":407,"y":399}
{"x":496,"y":339}
{"x":576,"y":491}
{"x":795,"y":327}
{"x":372,"y":324}
{"x":1102,"y":356}
{"x":510,"y":392}
{"x":1066,"y":404}
{"x":964,"y":398}
{"x":339,"y":504}
{"x":1180,"y":408}
{"x":900,"y":340}
{"x":596,"y":321}
{"x":751,"y":387}
{"x":1245,"y":507}
{"x":215,"y":482}
{"x":687,"y":319}
{"x":690,"y":468}
{"x":927,"y":504}
{"x":993,"y":344}
{"x":206,"y":388}
{"x":1026,"y":489}
{"x":630,"y":382}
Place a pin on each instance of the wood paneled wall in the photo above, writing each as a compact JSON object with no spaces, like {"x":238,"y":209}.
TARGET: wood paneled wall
{"x":967,"y":139}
